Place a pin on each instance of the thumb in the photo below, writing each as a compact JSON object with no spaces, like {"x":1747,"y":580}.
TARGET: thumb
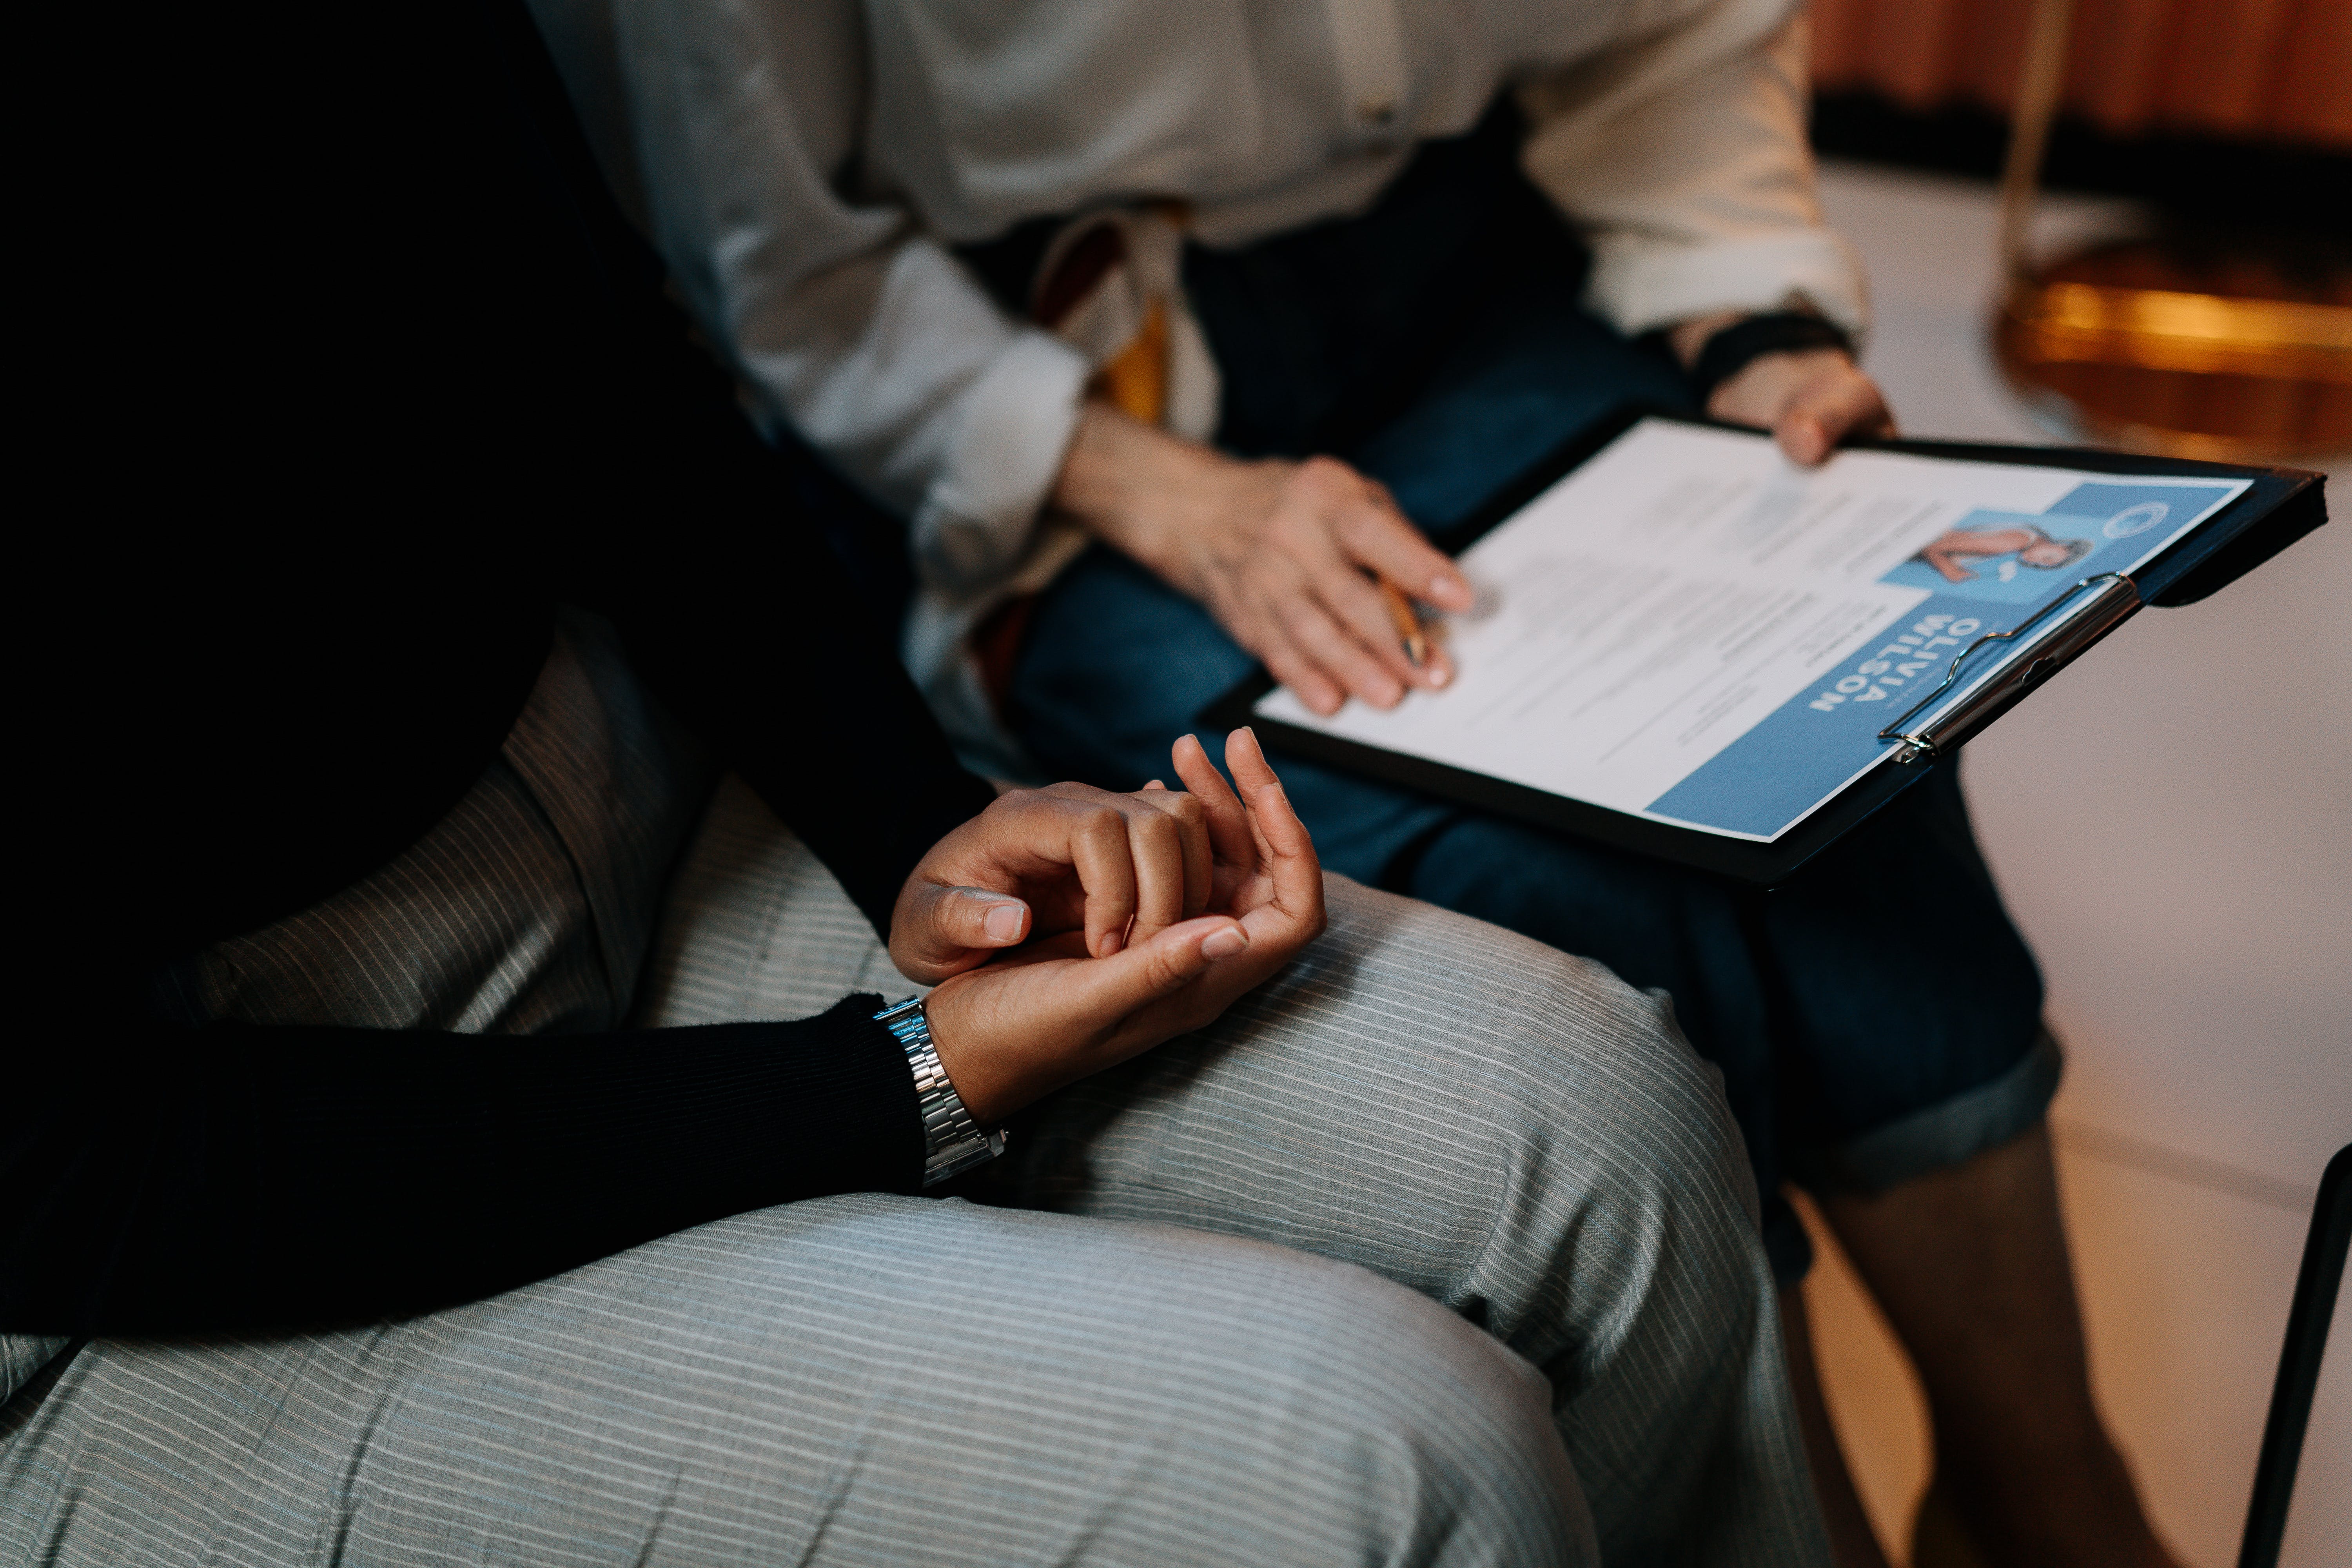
{"x":1803,"y":436}
{"x":1134,"y":977}
{"x":948,"y":930}
{"x":1826,"y":410}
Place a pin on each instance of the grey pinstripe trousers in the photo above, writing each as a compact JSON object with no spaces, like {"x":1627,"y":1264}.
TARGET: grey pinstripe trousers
{"x":1433,"y":1251}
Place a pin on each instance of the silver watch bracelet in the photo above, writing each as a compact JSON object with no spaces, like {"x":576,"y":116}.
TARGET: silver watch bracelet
{"x":953,"y":1142}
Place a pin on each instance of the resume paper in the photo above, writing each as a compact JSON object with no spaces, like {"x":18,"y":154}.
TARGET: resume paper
{"x":1689,"y":627}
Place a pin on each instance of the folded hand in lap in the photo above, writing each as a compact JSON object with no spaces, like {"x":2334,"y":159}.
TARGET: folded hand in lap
{"x":1070,"y":929}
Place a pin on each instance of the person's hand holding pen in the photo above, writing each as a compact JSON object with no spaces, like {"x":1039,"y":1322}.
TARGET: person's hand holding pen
{"x":1310,"y":566}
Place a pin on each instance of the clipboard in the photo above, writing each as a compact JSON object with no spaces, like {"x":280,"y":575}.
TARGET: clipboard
{"x":2278,"y":506}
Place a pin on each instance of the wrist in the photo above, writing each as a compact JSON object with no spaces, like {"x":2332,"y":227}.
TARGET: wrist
{"x":1688,"y":339}
{"x":988,"y":1081}
{"x":954,"y":1139}
{"x":1116,"y":481}
{"x":1714,"y":350}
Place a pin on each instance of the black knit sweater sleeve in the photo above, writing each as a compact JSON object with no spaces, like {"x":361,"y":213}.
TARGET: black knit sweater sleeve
{"x":235,"y":1177}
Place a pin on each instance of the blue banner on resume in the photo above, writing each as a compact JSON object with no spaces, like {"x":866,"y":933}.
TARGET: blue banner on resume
{"x":1990,"y":572}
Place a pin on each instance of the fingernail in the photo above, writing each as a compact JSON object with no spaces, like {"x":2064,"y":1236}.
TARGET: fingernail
{"x":1438,"y":676}
{"x":1224,"y":944}
{"x":1003,"y":922}
{"x":1117,"y":940}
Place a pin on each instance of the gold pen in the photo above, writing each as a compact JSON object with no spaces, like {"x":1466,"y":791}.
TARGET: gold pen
{"x":1408,"y":623}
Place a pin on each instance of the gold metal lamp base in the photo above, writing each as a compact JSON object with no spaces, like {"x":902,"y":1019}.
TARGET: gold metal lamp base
{"x":2188,"y":349}
{"x":2229,"y":346}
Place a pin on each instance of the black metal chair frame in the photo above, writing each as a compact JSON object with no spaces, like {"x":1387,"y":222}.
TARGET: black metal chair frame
{"x":2298,"y":1372}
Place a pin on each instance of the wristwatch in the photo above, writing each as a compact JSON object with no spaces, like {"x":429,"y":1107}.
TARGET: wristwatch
{"x":953,"y":1142}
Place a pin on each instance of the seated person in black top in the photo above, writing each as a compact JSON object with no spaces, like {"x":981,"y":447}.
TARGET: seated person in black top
{"x":369,"y":1195}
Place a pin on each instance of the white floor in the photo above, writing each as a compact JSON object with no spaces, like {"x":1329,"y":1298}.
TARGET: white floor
{"x":2171,"y":820}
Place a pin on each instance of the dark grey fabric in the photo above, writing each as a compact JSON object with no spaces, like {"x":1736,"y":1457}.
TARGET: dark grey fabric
{"x":526,"y":910}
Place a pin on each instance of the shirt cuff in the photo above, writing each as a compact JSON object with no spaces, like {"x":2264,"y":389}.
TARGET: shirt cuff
{"x":974,"y":522}
{"x":1639,"y":282}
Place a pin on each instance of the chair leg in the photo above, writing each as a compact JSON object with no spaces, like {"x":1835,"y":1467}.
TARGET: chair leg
{"x":2299,"y":1373}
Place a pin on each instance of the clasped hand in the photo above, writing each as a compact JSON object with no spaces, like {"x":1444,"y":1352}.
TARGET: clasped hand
{"x":1068,"y":928}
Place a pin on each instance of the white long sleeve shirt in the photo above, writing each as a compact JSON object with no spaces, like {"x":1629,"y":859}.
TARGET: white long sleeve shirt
{"x":801,"y":165}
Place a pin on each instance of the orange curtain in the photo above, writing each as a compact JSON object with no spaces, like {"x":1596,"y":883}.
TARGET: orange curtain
{"x":2253,"y":70}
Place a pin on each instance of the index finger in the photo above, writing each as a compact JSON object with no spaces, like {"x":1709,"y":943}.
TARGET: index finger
{"x":1105,"y":861}
{"x":1289,"y":850}
{"x":1375,"y":535}
{"x":1193,"y":823}
{"x":1230,"y":838}
{"x":1077,"y":827}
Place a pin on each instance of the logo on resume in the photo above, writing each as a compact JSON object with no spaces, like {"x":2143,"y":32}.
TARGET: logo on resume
{"x":2135,"y":520}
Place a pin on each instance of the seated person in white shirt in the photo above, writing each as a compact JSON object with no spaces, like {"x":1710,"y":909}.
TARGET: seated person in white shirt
{"x":1154,"y":328}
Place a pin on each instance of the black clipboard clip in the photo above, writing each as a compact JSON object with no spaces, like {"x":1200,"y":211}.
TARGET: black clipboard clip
{"x":2092,"y":619}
